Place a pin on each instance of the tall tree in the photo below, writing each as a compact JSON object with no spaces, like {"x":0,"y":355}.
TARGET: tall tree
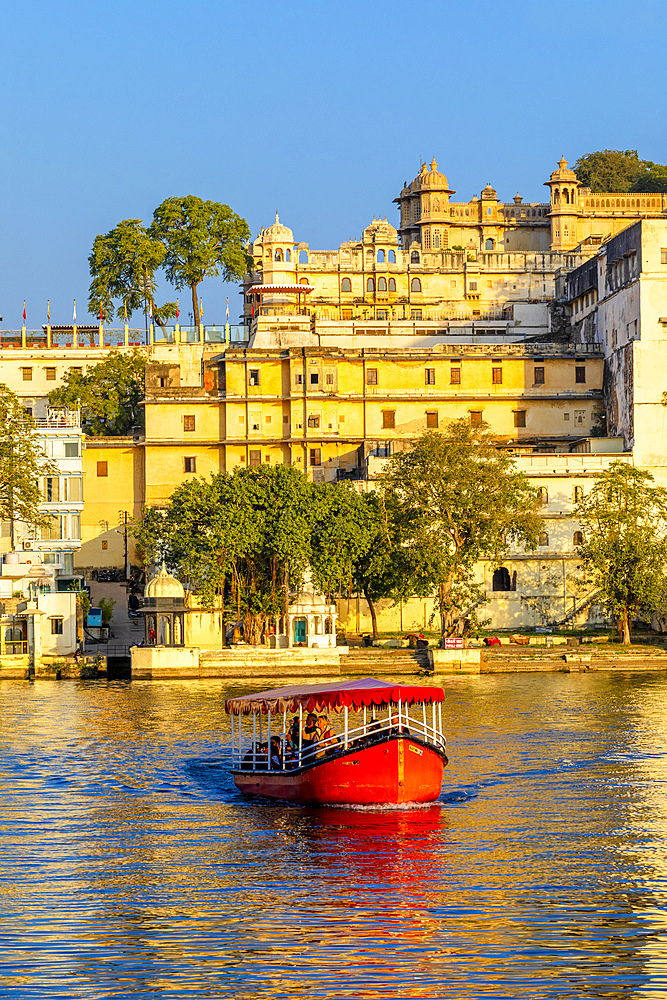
{"x":624,"y":552}
{"x":201,"y":239}
{"x":123,"y":263}
{"x":109,"y":394}
{"x":458,"y":499}
{"x":22,"y":464}
{"x":610,"y":170}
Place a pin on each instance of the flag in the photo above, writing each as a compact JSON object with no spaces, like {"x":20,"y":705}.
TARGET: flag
{"x":150,"y":309}
{"x":201,"y":310}
{"x":48,"y":311}
{"x":74,"y":313}
{"x":177,"y":310}
{"x":101,"y":314}
{"x":252,"y":307}
{"x":228,"y":308}
{"x":24,"y":310}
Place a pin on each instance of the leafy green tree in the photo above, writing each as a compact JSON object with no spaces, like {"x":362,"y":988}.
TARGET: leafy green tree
{"x":109,"y":394}
{"x":457,"y":499}
{"x":624,"y":552}
{"x":200,"y":239}
{"x":123,"y":263}
{"x":610,"y":170}
{"x":22,"y":463}
{"x":343,"y":528}
{"x":652,"y":178}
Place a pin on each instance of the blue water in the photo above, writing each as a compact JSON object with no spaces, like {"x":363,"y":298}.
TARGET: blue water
{"x":131,"y":867}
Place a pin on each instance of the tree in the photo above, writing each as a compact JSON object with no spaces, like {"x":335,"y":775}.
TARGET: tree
{"x":123,"y":263}
{"x":22,"y":463}
{"x":624,"y":552}
{"x":343,"y":528}
{"x":200,"y":239}
{"x":457,"y":499}
{"x":109,"y":394}
{"x":610,"y":170}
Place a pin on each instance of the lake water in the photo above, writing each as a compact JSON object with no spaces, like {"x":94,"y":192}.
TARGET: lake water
{"x":130,"y":866}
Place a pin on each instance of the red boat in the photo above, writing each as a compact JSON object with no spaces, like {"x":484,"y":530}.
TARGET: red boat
{"x":388,"y":750}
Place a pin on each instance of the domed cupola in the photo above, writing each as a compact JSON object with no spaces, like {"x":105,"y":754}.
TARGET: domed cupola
{"x":278,"y":233}
{"x":164,"y":585}
{"x":433,"y":179}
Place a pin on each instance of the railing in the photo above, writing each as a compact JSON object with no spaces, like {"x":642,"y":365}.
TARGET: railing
{"x":59,"y":418}
{"x":291,"y":749}
{"x":114,"y":337}
{"x":17,"y":648}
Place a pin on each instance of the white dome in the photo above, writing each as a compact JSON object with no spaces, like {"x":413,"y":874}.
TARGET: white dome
{"x":277,"y":233}
{"x":164,"y":585}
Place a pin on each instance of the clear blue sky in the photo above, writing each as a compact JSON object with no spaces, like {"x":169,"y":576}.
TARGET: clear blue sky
{"x":317,"y":110}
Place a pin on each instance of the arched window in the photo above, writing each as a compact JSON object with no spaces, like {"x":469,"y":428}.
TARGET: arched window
{"x":278,"y":255}
{"x":370,"y":285}
{"x":380,"y":257}
{"x":392,"y":257}
{"x":382,"y":284}
{"x":328,"y":626}
{"x":578,"y":538}
{"x":488,"y":245}
{"x":392,"y":284}
{"x":556,"y":197}
{"x":543,"y":539}
{"x":303,"y":281}
{"x":436,"y":239}
{"x":543,"y":495}
{"x":303,"y":256}
{"x":288,"y":255}
{"x":566,"y":196}
{"x":501,"y":579}
{"x":346,"y":285}
{"x":416,"y":285}
{"x":414,"y":257}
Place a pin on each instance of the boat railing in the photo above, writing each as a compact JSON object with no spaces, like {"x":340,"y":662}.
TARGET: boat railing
{"x":270,"y":747}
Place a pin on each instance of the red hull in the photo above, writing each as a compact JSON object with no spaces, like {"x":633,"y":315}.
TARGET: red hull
{"x":389,"y":773}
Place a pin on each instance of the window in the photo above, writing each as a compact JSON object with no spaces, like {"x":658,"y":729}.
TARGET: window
{"x":475,"y":417}
{"x":102,"y":469}
{"x":580,"y":374}
{"x":50,"y":374}
{"x":473,"y":286}
{"x":380,"y":257}
{"x":52,"y":530}
{"x":566,"y":416}
{"x":578,"y":538}
{"x":253,"y":376}
{"x":392,"y":257}
{"x":501,"y":579}
{"x":415,"y":285}
{"x":268,"y":419}
{"x":313,"y":420}
{"x":75,"y":526}
{"x":73,"y":488}
{"x":414,"y":257}
{"x":392,"y":284}
{"x":663,"y":255}
{"x":371,"y":376}
{"x":577,"y":494}
{"x":415,"y":314}
{"x":579,"y":418}
{"x":497,"y":376}
{"x":298,"y":379}
{"x":26,"y":373}
{"x":432,"y":419}
{"x":56,"y":626}
{"x":329,"y":378}
{"x":189,"y":422}
{"x":267,"y":460}
{"x":519,"y":418}
{"x":51,"y":491}
{"x":543,"y":539}
{"x":77,"y":371}
{"x":314,"y":378}
{"x":190,"y":464}
{"x":382,"y":284}
{"x":346,"y":285}
{"x":71,"y":449}
{"x":538,"y":376}
{"x":255,"y":457}
{"x":370,"y":285}
{"x":382,"y":314}
{"x":543,"y":494}
{"x":105,"y":544}
{"x":389,"y":419}
{"x":346,"y":314}
{"x":455,"y":376}
{"x":315,"y":456}
{"x":429,"y":376}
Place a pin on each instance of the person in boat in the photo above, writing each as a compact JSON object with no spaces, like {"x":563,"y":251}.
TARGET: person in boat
{"x":394,"y":727}
{"x":326,"y":735}
{"x":310,"y":734}
{"x":276,"y":754}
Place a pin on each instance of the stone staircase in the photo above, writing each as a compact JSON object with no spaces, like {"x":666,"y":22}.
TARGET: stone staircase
{"x":376,"y":661}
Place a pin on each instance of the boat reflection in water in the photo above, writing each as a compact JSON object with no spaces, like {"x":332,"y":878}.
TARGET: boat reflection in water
{"x":391,"y":749}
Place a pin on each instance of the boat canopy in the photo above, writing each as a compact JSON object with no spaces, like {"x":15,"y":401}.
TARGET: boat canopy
{"x":366,"y":691}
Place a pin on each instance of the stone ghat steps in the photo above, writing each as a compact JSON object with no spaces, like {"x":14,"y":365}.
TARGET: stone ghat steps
{"x":377,"y":662}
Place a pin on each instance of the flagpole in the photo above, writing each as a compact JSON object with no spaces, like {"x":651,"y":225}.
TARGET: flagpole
{"x":177,"y":332}
{"x":48,"y":324}
{"x":127,"y":332}
{"x":23,"y":338}
{"x":201,"y":321}
{"x":75,"y":340}
{"x":227,"y":323}
{"x":101,"y":330}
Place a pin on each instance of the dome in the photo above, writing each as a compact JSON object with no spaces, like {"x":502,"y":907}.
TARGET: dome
{"x":490,"y":193}
{"x":380,"y":231}
{"x":563,"y":174}
{"x":164,"y":584}
{"x":277,"y":233}
{"x":433,"y":178}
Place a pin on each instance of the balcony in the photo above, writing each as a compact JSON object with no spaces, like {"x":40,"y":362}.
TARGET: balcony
{"x":59,"y":417}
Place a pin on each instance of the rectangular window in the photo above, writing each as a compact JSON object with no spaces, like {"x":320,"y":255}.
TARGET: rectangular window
{"x":52,"y":530}
{"x":71,"y":449}
{"x":75,"y":526}
{"x":298,"y":379}
{"x":371,"y":376}
{"x":473,"y":286}
{"x":432,"y":418}
{"x":566,"y":416}
{"x":415,"y":314}
{"x":190,"y":464}
{"x":73,"y":488}
{"x":50,"y":374}
{"x":429,"y":376}
{"x":314,"y":378}
{"x":475,"y":416}
{"x":389,"y":419}
{"x":105,"y":544}
{"x":26,"y":374}
{"x":102,"y":469}
{"x":313,"y":420}
{"x":538,"y":376}
{"x":77,"y":371}
{"x":579,"y":418}
{"x":315,"y":456}
{"x":253,"y":376}
{"x":455,"y":376}
{"x":329,"y":378}
{"x":56,"y":626}
{"x":519,"y":418}
{"x":580,"y":374}
{"x":189,"y":422}
{"x":663,"y":255}
{"x":255,"y":457}
{"x":51,"y":492}
{"x":381,"y":314}
{"x":346,"y":314}
{"x":497,"y":376}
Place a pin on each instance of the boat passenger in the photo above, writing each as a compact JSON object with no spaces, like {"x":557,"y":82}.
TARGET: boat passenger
{"x":394,"y":727}
{"x":276,"y":754}
{"x":326,"y":735}
{"x":310,"y":733}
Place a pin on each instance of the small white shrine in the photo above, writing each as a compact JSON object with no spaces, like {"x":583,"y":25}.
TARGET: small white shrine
{"x":309,"y":623}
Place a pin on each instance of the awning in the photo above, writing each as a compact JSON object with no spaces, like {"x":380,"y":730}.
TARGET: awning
{"x":367,"y":691}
